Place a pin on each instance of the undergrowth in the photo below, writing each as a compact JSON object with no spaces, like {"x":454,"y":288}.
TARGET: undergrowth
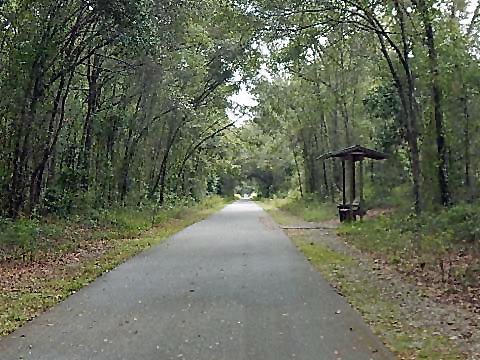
{"x":407,"y":341}
{"x":27,"y":239}
{"x":30,"y":286}
{"x":308,"y":208}
{"x":381,"y":307}
{"x":447,"y":242}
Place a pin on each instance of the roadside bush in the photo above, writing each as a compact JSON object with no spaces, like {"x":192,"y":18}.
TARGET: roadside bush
{"x":19,"y":237}
{"x":311,"y":209}
{"x":308,"y":208}
{"x":24,"y":238}
{"x":459,"y":224}
{"x":398,"y":198}
{"x":129,"y":220}
{"x":445,"y":242}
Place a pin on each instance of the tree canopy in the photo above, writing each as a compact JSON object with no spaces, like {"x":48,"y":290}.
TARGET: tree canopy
{"x":401,"y":77}
{"x":108,"y":103}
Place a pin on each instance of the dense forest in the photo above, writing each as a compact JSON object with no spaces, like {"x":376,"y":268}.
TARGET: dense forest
{"x":401,"y":78}
{"x":124,"y":121}
{"x":113,"y":103}
{"x":121,"y":103}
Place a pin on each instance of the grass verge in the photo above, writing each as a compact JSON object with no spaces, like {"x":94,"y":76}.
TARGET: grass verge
{"x":303,"y":209}
{"x":383,"y":300}
{"x":31,"y":287}
{"x":438,"y":251}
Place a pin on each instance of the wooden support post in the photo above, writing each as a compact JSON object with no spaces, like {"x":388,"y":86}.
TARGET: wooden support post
{"x":360,"y":180}
{"x":344,"y":179}
{"x":352,"y":181}
{"x":352,"y":216}
{"x":360,"y":186}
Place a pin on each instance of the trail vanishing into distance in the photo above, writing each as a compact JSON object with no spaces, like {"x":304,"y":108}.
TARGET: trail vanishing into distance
{"x":230,"y":287}
{"x":125,"y":122}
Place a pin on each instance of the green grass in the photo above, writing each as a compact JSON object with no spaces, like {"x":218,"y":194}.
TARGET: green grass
{"x":28,"y":300}
{"x":455,"y":228}
{"x":305,"y":209}
{"x":384,"y":314}
{"x":377,"y":236}
{"x":430,"y":240}
{"x":321,"y":256}
{"x":27,"y":239}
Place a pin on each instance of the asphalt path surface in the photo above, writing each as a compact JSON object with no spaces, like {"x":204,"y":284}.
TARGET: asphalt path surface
{"x":232,"y":287}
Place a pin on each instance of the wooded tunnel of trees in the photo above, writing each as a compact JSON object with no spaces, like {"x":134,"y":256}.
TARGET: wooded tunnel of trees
{"x":109,"y":103}
{"x":123,"y":103}
{"x":124,"y":121}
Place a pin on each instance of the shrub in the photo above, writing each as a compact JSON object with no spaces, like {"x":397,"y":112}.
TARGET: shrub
{"x":20,"y":236}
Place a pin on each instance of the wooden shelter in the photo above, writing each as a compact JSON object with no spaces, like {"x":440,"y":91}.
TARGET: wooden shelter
{"x":353,"y":205}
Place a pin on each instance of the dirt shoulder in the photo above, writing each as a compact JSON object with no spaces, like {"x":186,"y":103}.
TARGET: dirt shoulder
{"x":412,"y":322}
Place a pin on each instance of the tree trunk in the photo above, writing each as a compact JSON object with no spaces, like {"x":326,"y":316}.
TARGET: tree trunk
{"x":23,"y":146}
{"x":93,"y":75}
{"x":406,"y":94}
{"x":160,"y":181}
{"x":437,"y":95}
{"x":127,"y":159}
{"x":297,"y":168}
{"x":467,"y":143}
{"x":55,"y":128}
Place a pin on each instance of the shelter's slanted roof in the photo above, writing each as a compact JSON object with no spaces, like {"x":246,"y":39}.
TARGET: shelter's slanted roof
{"x":357,"y":152}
